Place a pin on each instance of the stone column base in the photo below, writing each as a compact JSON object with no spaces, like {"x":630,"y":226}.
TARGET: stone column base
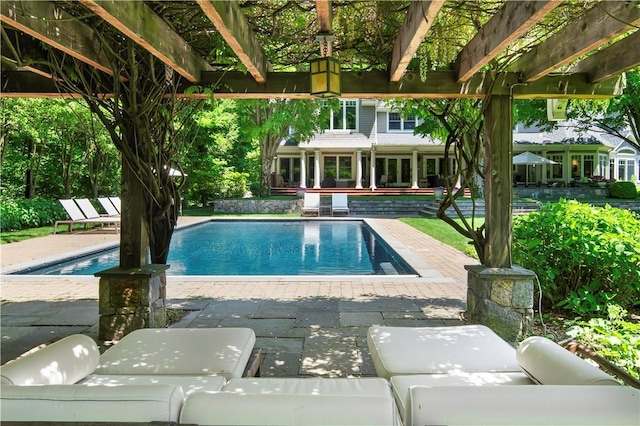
{"x":131,"y":298}
{"x":501,"y":299}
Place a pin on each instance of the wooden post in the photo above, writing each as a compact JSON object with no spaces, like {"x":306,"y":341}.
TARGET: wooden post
{"x":498,"y":181}
{"x":134,"y":240}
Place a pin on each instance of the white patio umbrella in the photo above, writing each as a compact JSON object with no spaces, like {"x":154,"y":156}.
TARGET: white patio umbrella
{"x":529,"y":158}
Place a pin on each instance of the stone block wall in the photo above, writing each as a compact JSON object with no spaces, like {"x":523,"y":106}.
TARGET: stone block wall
{"x":502,"y":299}
{"x":130,"y":299}
{"x":248,"y":205}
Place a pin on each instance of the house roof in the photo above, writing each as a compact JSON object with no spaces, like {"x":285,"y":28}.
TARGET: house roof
{"x":333,"y":139}
{"x":566,"y":135}
{"x":405,"y":139}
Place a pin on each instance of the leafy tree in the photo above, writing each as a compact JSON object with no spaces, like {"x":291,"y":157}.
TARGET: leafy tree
{"x":267,"y":122}
{"x":215,"y":157}
{"x":615,"y":116}
{"x":55,"y":148}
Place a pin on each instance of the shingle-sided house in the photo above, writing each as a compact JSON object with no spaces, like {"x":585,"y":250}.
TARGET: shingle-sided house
{"x":367,"y":145}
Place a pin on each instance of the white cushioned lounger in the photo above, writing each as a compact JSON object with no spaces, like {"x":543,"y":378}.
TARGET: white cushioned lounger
{"x":180,"y":351}
{"x":400,"y":385}
{"x":189,"y":384}
{"x":68,"y":403}
{"x":439,"y":350}
{"x":229,"y":408}
{"x":547,"y":363}
{"x":64,"y":362}
{"x":523,"y":405}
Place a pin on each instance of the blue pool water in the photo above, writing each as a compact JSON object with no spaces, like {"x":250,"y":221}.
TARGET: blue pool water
{"x":246,"y":247}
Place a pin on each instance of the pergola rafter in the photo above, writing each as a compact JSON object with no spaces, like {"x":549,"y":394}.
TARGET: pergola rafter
{"x":613,"y":60}
{"x":138,"y":22}
{"x":495,"y":36}
{"x":50,"y":24}
{"x":420,"y":17}
{"x":234,"y":27}
{"x":604,"y":22}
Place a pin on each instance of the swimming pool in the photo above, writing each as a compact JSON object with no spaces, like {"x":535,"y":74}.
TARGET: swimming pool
{"x":262,"y":247}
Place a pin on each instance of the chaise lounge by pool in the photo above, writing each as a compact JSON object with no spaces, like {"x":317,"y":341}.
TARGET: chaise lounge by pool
{"x":251,"y":247}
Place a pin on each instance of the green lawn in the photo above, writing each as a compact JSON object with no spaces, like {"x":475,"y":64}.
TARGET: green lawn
{"x":443,"y":232}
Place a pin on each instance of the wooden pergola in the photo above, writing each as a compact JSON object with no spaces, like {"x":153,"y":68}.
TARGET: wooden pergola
{"x":518,"y":51}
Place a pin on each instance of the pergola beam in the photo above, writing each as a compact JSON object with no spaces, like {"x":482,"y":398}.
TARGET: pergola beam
{"x":615,"y":59}
{"x":325,"y":15}
{"x":420,"y":17}
{"x":367,"y":85}
{"x":51,"y":25}
{"x":602,"y":23}
{"x":507,"y":25}
{"x":234,"y":28}
{"x":138,"y":22}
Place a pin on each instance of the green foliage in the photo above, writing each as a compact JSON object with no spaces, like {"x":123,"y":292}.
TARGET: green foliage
{"x":615,"y":338}
{"x":29,"y":213}
{"x":623,"y":189}
{"x":585,"y":257}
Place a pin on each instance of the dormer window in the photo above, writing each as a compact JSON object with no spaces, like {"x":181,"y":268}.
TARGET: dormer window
{"x":397,"y":123}
{"x":345,"y":117}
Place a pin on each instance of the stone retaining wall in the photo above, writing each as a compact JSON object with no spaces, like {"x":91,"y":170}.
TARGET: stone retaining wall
{"x":248,"y":205}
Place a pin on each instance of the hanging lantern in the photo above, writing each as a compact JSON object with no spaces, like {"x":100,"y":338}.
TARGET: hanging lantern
{"x":325,"y":72}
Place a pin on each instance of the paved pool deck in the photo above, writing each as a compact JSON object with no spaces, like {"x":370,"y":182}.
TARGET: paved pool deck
{"x":306,"y":326}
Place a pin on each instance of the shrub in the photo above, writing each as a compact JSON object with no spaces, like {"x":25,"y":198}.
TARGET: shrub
{"x":623,"y":189}
{"x":615,"y":338}
{"x":29,"y":213}
{"x":585,"y":257}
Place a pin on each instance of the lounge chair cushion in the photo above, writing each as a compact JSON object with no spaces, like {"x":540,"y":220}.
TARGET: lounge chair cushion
{"x":523,"y":405}
{"x":547,"y":363}
{"x":189,"y":384}
{"x":64,"y":403}
{"x":400,"y":385}
{"x":439,"y":350}
{"x":228,"y":408}
{"x":61,"y":363}
{"x":365,"y":386}
{"x":180,"y":351}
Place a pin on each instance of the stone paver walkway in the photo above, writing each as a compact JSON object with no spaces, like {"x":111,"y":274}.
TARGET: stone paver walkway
{"x":316,"y":326}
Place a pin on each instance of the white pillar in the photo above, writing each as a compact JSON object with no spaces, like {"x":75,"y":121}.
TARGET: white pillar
{"x":316,"y":169}
{"x":358,"y":169}
{"x":303,"y":170}
{"x":414,"y":170}
{"x":372,"y":175}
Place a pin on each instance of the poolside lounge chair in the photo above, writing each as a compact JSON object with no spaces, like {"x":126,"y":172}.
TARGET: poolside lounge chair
{"x":108,"y":207}
{"x":116,"y":203}
{"x":339,"y":204}
{"x":77,"y":216}
{"x":311,"y":203}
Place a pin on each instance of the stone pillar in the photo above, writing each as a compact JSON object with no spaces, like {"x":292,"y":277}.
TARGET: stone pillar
{"x":359,"y":169}
{"x":501,"y":299}
{"x":131,"y":298}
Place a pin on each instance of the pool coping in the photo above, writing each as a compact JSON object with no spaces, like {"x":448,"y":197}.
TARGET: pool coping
{"x":425,"y":272}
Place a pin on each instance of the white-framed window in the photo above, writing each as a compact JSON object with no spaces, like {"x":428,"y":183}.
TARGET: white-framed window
{"x":554,"y":171}
{"x":338,"y":166}
{"x":397,"y":123}
{"x":582,"y":165}
{"x":603,"y":162}
{"x":345,"y":117}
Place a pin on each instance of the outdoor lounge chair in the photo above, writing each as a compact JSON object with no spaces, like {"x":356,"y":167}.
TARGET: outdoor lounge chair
{"x":311,"y":203}
{"x":339,"y":204}
{"x":116,"y":203}
{"x":77,"y":216}
{"x":108,"y":207}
